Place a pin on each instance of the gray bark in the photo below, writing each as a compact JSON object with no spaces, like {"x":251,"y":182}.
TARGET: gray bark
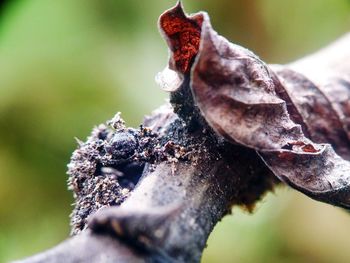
{"x":177,"y":201}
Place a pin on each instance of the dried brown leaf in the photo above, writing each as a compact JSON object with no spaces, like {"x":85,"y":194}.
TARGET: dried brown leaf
{"x":297,"y":129}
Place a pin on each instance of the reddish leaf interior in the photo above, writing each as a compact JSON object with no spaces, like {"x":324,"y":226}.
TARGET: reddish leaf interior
{"x":183,"y":35}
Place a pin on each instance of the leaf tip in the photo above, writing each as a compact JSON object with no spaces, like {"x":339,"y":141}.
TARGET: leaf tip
{"x":182,"y":34}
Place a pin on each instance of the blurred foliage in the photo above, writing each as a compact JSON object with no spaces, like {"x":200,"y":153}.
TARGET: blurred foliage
{"x":66,"y":66}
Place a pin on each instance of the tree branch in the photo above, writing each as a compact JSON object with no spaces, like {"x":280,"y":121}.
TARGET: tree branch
{"x":187,"y":177}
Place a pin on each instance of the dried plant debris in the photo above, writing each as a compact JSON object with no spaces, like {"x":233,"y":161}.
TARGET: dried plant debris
{"x":105,"y":168}
{"x":322,"y":120}
{"x":182,"y":35}
{"x":337,"y":91}
{"x":300,"y":130}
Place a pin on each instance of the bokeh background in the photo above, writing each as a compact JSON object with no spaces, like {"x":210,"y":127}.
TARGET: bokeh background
{"x":68,"y":65}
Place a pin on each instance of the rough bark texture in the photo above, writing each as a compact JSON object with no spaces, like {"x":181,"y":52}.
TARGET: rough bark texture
{"x":177,"y":201}
{"x":155,"y":193}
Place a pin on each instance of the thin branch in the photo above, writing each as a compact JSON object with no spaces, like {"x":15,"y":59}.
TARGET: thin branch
{"x":190,"y":176}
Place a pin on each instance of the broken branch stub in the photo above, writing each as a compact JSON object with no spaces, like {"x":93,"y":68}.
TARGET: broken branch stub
{"x":300,"y":131}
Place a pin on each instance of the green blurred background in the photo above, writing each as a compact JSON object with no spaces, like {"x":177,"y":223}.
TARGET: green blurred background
{"x":68,"y":65}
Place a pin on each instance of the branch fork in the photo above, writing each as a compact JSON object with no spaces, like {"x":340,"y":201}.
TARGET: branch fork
{"x":234,"y":128}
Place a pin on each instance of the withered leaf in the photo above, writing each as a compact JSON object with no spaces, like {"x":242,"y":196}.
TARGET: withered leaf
{"x":300,"y":131}
{"x":182,"y":34}
{"x":320,"y":116}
